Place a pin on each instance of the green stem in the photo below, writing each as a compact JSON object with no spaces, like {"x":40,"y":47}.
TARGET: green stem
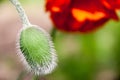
{"x":21,"y":12}
{"x":53,"y":34}
{"x":21,"y":76}
{"x":39,"y":78}
{"x":36,"y":77}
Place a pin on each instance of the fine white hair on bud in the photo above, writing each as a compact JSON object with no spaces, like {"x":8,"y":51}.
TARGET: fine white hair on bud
{"x":36,"y":50}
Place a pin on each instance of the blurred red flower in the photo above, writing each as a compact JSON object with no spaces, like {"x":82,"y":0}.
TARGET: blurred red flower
{"x":82,"y":15}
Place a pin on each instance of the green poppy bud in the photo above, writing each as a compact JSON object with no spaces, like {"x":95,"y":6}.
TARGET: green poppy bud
{"x":36,"y":50}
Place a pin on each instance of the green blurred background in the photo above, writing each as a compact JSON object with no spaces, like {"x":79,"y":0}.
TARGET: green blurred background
{"x":93,"y":56}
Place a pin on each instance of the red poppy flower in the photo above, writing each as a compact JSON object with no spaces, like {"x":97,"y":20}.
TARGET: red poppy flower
{"x":81,"y":15}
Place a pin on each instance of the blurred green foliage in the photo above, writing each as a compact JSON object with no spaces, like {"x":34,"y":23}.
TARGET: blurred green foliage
{"x":82,"y":56}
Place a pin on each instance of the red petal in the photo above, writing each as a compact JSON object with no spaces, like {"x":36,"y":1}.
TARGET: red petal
{"x":112,"y":4}
{"x":57,"y":5}
{"x":81,"y":15}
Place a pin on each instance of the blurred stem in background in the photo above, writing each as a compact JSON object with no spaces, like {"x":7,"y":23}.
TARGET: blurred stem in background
{"x":53,"y":33}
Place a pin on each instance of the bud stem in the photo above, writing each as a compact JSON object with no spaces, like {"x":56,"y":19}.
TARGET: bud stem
{"x":36,"y":78}
{"x":22,"y":75}
{"x":21,"y":12}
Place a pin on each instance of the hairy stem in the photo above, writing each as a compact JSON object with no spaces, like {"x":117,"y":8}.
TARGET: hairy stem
{"x":36,"y":77}
{"x":22,"y":75}
{"x":21,"y":12}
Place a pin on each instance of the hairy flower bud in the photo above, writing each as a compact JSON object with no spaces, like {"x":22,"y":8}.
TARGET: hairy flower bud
{"x":36,"y":50}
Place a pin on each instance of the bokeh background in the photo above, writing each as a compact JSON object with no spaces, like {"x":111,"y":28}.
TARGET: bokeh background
{"x":93,"y":56}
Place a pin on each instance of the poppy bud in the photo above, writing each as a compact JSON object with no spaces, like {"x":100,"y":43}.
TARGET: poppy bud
{"x":36,"y":50}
